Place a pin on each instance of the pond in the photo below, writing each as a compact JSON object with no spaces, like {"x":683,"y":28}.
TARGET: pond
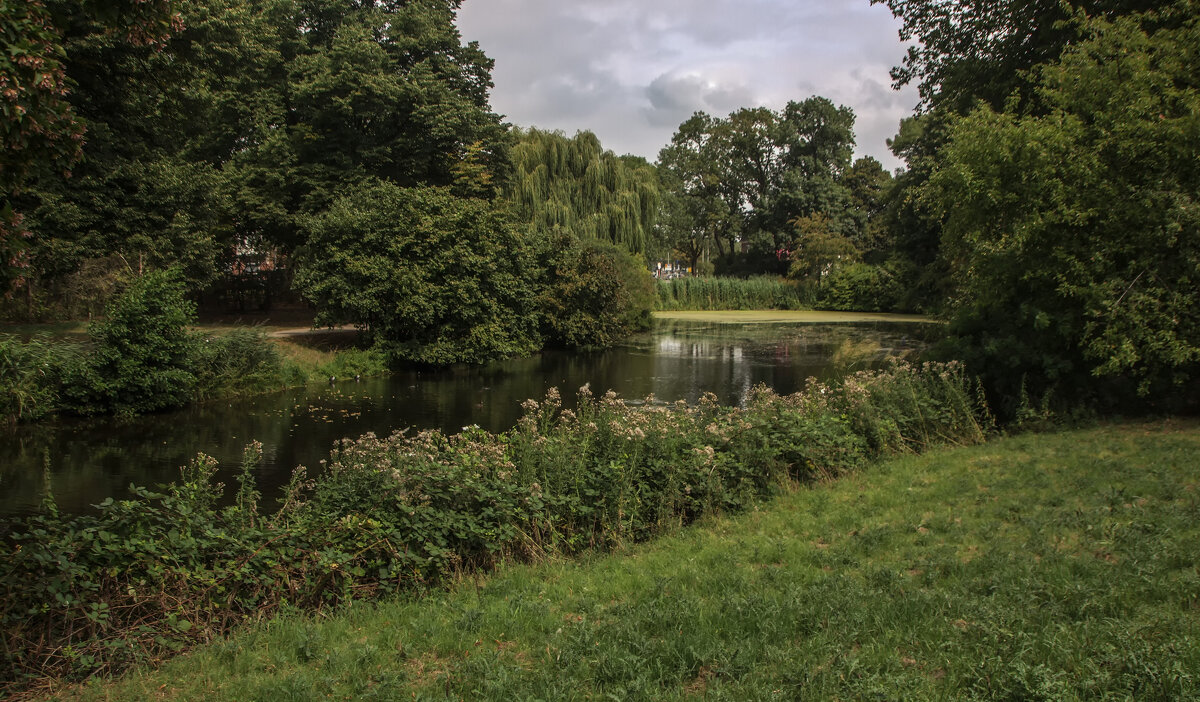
{"x":94,"y":459}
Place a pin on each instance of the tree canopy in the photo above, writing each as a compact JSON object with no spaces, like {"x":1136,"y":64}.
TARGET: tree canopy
{"x":734,"y":184}
{"x":1073,"y":230}
{"x":574,"y":183}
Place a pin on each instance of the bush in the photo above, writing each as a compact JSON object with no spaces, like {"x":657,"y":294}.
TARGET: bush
{"x":142,"y":355}
{"x":150,"y":575}
{"x":595,"y":295}
{"x":862,"y":287}
{"x":242,"y":361}
{"x":435,"y":279}
{"x":29,"y":378}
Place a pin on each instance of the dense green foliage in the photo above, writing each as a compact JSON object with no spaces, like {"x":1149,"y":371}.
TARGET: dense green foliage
{"x":159,"y":571}
{"x":736,"y":182}
{"x":863,"y":287}
{"x":210,"y":149}
{"x":140,"y":359}
{"x":235,"y":152}
{"x":28,"y":378}
{"x":971,"y":51}
{"x":1073,"y":230}
{"x":432,"y":277}
{"x":595,"y":294}
{"x":756,"y":293}
{"x":1041,"y":567}
{"x":39,"y":127}
{"x":143,"y":358}
{"x":589,"y":215}
{"x":574,"y":184}
{"x":1049,"y":200}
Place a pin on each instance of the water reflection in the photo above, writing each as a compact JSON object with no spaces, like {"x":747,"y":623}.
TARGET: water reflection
{"x":94,"y":459}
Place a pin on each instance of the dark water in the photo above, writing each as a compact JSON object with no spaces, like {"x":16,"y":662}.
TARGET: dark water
{"x":94,"y":459}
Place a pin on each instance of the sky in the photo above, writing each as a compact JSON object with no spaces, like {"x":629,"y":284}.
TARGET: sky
{"x":632,"y":70}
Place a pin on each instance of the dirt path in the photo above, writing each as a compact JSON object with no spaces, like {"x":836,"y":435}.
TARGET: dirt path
{"x":309,"y":331}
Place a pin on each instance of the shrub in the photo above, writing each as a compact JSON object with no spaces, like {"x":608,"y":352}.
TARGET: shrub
{"x":142,"y":358}
{"x":862,"y":287}
{"x":29,"y":377}
{"x":244,"y":360}
{"x":435,"y":279}
{"x":596,"y":294}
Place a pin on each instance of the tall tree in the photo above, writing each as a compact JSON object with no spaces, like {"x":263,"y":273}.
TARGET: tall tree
{"x":575,"y":184}
{"x":966,"y":52}
{"x":169,"y":130}
{"x":1073,"y":232}
{"x":702,"y":215}
{"x":38,"y":127}
{"x":868,"y":185}
{"x":971,"y":50}
{"x":387,"y":90}
{"x":737,"y":182}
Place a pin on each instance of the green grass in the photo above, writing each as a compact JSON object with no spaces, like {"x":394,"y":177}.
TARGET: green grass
{"x":783,"y":316}
{"x":1058,"y":567}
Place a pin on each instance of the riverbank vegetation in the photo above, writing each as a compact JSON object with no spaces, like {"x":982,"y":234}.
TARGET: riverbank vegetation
{"x":1050,"y":565}
{"x":142,"y":357}
{"x":256,"y":156}
{"x":725,"y":293}
{"x":242,"y":152}
{"x":161,"y":571}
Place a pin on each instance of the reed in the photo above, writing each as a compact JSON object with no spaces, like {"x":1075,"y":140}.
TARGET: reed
{"x":757,"y":293}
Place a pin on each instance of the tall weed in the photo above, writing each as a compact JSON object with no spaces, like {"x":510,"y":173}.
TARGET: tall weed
{"x":29,"y":374}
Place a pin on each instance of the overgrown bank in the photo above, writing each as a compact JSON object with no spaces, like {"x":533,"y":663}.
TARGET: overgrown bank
{"x":1052,"y":566}
{"x":143,"y":358}
{"x":159,"y":572}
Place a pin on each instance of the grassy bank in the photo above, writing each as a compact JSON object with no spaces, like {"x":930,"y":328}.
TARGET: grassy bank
{"x":1056,"y":567}
{"x":145,"y":577}
{"x":47,"y":373}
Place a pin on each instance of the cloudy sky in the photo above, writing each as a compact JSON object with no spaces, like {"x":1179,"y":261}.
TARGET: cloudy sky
{"x":632,"y":70}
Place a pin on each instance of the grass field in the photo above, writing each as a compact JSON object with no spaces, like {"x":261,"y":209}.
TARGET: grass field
{"x":781,"y":316}
{"x":1056,"y":567}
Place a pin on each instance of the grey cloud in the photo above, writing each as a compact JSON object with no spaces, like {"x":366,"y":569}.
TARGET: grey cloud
{"x":674,"y":98}
{"x":632,"y":70}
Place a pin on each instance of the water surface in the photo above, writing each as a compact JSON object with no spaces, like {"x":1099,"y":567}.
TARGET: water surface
{"x":90,"y":460}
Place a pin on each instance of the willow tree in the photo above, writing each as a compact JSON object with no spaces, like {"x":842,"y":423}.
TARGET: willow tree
{"x":573,"y":183}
